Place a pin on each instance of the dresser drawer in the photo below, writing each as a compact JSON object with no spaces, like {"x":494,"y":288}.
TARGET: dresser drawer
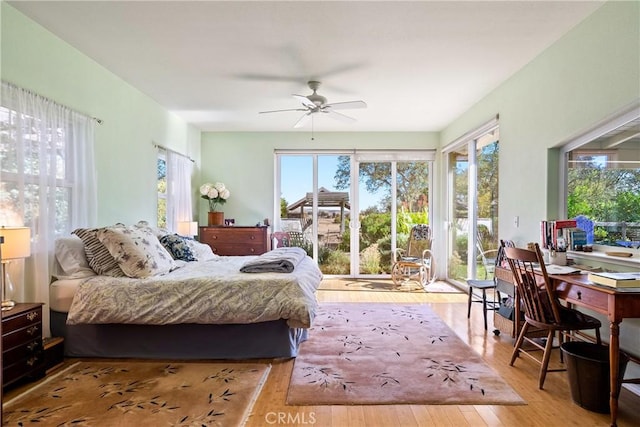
{"x":233,"y":241}
{"x":32,"y":367}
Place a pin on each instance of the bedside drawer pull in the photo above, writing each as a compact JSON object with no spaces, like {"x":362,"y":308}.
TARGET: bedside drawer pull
{"x":32,"y":361}
{"x":32,"y":315}
{"x":32,"y":330}
{"x":252,"y":237}
{"x":32,"y":346}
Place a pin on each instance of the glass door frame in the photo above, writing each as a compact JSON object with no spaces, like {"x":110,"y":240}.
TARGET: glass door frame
{"x":469,"y":140}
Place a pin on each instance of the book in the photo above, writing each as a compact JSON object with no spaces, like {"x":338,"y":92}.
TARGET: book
{"x":616,"y":280}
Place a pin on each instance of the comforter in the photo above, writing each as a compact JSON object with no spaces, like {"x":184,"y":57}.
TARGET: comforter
{"x":209,"y":292}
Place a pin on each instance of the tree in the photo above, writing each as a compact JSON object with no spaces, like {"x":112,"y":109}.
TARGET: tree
{"x":412,"y":185}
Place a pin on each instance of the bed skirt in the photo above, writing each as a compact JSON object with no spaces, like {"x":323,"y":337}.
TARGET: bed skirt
{"x":263,"y":340}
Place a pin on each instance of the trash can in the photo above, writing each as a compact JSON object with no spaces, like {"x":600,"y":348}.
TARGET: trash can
{"x":588,"y":371}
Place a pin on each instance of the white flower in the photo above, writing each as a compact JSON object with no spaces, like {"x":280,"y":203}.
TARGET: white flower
{"x":216,"y":194}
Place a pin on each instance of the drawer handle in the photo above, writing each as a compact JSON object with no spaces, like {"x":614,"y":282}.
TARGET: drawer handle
{"x":32,"y":330}
{"x":32,"y":315}
{"x":32,"y":346}
{"x":252,"y":250}
{"x":32,"y":361}
{"x":252,"y":237}
{"x":214,"y":237}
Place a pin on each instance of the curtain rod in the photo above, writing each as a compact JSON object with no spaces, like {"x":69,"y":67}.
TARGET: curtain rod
{"x":173,"y":151}
{"x":98,"y":120}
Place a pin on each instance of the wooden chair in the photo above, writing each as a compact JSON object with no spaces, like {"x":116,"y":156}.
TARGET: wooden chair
{"x":416,"y":262}
{"x":283,"y":239}
{"x":542,"y":310}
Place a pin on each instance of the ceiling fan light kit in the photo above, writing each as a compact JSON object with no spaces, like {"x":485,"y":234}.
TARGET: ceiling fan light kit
{"x":314,"y":103}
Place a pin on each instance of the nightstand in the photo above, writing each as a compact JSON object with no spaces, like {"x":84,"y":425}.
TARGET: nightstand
{"x":22,"y":350}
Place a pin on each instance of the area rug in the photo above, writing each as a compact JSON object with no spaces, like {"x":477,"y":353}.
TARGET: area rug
{"x":141,"y":393}
{"x":365,"y":354}
{"x":383,"y":285}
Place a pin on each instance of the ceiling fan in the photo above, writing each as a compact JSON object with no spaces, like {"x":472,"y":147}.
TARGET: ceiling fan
{"x":314,"y":103}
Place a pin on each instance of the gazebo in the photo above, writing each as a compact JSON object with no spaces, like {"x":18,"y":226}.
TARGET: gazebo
{"x":326,"y":198}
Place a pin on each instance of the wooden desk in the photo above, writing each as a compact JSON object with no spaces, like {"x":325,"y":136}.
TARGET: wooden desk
{"x":615,"y":304}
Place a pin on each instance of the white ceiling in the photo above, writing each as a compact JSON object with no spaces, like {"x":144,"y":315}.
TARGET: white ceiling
{"x":418,"y":65}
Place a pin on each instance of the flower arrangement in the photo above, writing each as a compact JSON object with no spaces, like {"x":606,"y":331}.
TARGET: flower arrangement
{"x":216,"y":194}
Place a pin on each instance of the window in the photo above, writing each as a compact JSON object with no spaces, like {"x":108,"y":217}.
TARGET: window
{"x":603,"y":182}
{"x":162,"y":188}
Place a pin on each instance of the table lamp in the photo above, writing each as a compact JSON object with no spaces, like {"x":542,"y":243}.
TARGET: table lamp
{"x":15,"y":243}
{"x":188,"y":228}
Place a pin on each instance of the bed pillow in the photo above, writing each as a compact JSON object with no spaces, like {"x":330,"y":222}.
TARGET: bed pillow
{"x":70,"y":259}
{"x":99,"y":258}
{"x":201,"y":251}
{"x":177,"y":247}
{"x":137,"y":251}
{"x":157,"y":231}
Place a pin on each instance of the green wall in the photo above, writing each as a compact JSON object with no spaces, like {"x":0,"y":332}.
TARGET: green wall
{"x":245,"y":162}
{"x":36,"y":60}
{"x":589,"y":74}
{"x":586,"y":76}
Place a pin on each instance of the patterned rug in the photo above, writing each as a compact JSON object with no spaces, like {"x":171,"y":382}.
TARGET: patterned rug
{"x":141,"y":394}
{"x":364,"y":354}
{"x":384,"y":285}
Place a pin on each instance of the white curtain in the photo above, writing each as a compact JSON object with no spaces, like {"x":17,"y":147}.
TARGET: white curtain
{"x":47,"y":181}
{"x":179,"y":206}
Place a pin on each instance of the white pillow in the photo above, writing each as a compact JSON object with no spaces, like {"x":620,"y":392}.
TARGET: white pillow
{"x":71,"y":259}
{"x":201,"y":251}
{"x":137,"y":251}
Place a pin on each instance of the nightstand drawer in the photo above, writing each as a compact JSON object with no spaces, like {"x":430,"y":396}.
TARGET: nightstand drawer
{"x":22,"y":352}
{"x":32,"y":367}
{"x":21,"y":336}
{"x":20,"y":321}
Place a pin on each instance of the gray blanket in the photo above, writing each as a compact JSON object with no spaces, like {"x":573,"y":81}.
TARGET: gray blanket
{"x":279,"y":260}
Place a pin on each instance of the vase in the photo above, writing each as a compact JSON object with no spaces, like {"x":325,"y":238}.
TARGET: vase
{"x":216,"y":218}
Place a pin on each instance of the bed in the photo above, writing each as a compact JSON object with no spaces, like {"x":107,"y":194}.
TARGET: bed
{"x":205,"y":308}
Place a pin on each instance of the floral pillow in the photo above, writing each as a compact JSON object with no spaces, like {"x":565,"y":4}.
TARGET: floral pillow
{"x":177,"y":247}
{"x":99,"y":258}
{"x":137,"y":251}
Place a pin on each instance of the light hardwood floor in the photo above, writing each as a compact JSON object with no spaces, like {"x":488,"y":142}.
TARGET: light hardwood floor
{"x":549,"y":407}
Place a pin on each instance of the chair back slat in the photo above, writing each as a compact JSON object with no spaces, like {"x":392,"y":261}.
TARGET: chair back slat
{"x":420,"y":238}
{"x":534,"y":287}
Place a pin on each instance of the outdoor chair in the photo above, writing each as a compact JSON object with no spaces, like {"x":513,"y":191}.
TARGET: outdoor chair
{"x":415,"y":263}
{"x":543,"y":311}
{"x":282,"y":238}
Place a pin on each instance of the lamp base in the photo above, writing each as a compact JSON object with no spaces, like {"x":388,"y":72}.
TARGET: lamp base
{"x":8,"y":305}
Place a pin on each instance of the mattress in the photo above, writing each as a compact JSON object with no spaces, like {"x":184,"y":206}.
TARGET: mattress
{"x":61,"y":294}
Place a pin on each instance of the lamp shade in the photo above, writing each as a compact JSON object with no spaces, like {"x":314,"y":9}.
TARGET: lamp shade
{"x":188,"y":228}
{"x":17,"y":242}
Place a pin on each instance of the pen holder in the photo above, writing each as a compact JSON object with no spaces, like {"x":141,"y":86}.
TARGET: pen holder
{"x":558,"y":258}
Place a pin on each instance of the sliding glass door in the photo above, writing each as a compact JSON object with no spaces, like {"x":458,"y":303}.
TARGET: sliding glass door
{"x":472,"y":207}
{"x":353,"y":209}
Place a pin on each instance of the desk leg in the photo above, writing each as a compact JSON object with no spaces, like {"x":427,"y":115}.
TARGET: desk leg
{"x":614,"y":357}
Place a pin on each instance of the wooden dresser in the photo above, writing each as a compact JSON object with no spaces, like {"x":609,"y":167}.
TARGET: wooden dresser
{"x":236,"y":240}
{"x":22,"y":350}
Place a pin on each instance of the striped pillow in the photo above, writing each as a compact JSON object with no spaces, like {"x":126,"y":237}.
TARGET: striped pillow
{"x":137,"y":251}
{"x":100,"y":260}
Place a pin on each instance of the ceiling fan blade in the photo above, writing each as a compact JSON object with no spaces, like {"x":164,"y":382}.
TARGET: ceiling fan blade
{"x":303,"y":120}
{"x":279,"y":111}
{"x":346,"y":105}
{"x":305,"y":101}
{"x":339,"y":116}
